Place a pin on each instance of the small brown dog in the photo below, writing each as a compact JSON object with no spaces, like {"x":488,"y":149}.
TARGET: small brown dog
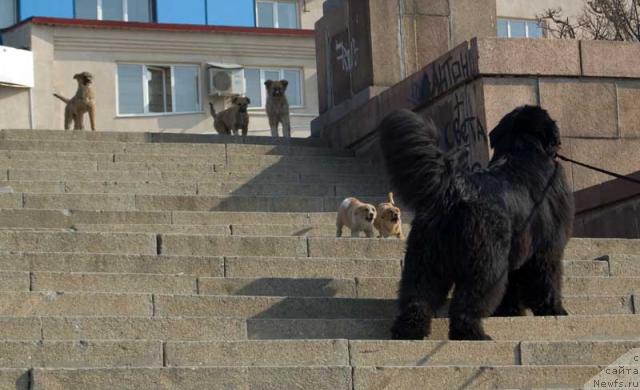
{"x":388,"y":221}
{"x":278,"y":107}
{"x":357,"y":216}
{"x":83,"y":102}
{"x":234,"y":118}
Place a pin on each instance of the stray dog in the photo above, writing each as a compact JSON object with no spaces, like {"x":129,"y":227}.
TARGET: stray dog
{"x":497,"y":234}
{"x":357,"y":216}
{"x":82,"y":102}
{"x":278,"y":107}
{"x":388,"y":221}
{"x":234,"y":118}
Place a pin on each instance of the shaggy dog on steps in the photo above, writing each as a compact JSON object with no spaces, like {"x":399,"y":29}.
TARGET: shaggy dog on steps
{"x":497,"y":234}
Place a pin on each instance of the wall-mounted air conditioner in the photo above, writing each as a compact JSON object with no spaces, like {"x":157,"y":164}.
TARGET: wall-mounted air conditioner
{"x":226,"y":79}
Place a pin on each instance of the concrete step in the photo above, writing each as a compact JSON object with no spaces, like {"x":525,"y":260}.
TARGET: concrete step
{"x":191,"y":188}
{"x":474,"y":377}
{"x":267,"y":325}
{"x":111,"y":263}
{"x":345,"y":182}
{"x":118,"y":243}
{"x":76,"y":354}
{"x":196,"y":378}
{"x":167,"y":148}
{"x":117,"y":136}
{"x":29,"y":304}
{"x":573,"y":327}
{"x":338,"y":307}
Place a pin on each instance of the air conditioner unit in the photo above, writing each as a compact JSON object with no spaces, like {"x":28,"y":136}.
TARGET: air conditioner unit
{"x":226,"y":79}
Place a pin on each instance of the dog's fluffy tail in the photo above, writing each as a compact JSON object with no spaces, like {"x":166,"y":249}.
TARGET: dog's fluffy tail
{"x":64,"y":99}
{"x":391,"y":200}
{"x":212,"y":109}
{"x":419,"y":170}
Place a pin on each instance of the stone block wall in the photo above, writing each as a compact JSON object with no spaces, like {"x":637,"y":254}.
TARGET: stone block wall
{"x":587,"y":87}
{"x":366,"y":46}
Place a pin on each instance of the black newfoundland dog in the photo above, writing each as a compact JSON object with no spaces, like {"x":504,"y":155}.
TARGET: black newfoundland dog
{"x":497,"y":235}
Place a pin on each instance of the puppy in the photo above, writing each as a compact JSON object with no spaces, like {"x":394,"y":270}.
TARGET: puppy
{"x":498,"y":234}
{"x":388,"y":221}
{"x":234,"y":118}
{"x":357,"y":216}
{"x":82,"y":102}
{"x":278,"y":107}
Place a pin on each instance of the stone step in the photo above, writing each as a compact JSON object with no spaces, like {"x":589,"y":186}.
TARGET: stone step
{"x":572,"y":327}
{"x":166,"y":148}
{"x":196,"y":378}
{"x":118,"y":243}
{"x":57,"y":164}
{"x":29,"y":304}
{"x":113,"y":263}
{"x":191,"y":177}
{"x":338,"y":308}
{"x":478,"y":377}
{"x":56,"y":327}
{"x":76,"y":354}
{"x":118,"y":136}
{"x":193,"y":188}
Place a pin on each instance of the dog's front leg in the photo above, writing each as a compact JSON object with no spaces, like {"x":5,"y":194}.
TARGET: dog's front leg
{"x":92,"y":117}
{"x":286,"y":126}
{"x":273,"y":123}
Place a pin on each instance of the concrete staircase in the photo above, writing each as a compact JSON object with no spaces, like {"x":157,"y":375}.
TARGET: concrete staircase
{"x":166,"y":261}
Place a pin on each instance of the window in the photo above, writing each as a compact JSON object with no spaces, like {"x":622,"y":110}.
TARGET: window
{"x":277,"y":14}
{"x":125,"y":10}
{"x":158,"y":89}
{"x":256,"y":90}
{"x":7,"y":13}
{"x":519,"y":28}
{"x":182,"y":11}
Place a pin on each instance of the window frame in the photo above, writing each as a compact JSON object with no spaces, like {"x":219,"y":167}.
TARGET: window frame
{"x":145,"y":90}
{"x":125,"y":10}
{"x":276,"y":22}
{"x":263,"y":89}
{"x":526,"y":28}
{"x":16,"y":14}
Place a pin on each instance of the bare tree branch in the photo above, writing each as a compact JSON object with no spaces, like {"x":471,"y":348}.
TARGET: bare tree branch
{"x":612,"y":20}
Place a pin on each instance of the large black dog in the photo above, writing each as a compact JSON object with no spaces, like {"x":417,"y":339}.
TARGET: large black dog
{"x":497,"y":234}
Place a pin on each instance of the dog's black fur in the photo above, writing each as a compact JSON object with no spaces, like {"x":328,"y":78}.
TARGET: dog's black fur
{"x":497,"y":234}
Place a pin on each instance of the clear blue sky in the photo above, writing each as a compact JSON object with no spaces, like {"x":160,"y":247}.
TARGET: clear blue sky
{"x":218,"y":12}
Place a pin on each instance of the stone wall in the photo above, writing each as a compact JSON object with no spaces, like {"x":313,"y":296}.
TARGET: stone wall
{"x":366,"y":46}
{"x":590,"y":88}
{"x":610,"y":210}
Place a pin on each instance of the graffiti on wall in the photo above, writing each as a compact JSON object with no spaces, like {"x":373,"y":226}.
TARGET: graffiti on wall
{"x":347,"y":54}
{"x":459,"y":120}
{"x":456,"y":67}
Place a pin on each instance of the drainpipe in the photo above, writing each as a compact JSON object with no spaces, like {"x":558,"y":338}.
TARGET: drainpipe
{"x":401,"y":40}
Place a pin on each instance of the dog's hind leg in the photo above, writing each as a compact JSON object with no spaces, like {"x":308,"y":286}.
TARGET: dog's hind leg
{"x":339,"y":227}
{"x":423,"y":290}
{"x":511,"y":305}
{"x":68,"y":118}
{"x":542,"y":288}
{"x":477,"y":295}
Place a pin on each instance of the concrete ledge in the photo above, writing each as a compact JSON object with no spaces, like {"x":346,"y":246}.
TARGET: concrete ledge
{"x":185,"y":245}
{"x":544,"y":57}
{"x":117,"y":243}
{"x":610,"y":59}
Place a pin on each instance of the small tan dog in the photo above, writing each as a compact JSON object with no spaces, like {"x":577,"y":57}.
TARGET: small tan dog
{"x":83,"y":102}
{"x":278,"y":107}
{"x":234,"y":118}
{"x":388,"y":221}
{"x":357,"y":216}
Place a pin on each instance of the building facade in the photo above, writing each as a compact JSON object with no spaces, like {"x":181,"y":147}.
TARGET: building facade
{"x":151,"y":60}
{"x":155,"y":62}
